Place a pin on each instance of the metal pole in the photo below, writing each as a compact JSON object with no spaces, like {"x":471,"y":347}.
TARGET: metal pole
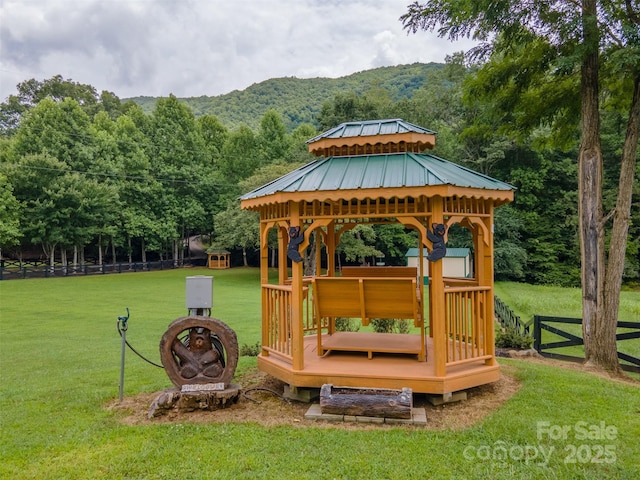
{"x":122,"y":327}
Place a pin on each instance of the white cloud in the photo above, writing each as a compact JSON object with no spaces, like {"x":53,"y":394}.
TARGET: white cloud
{"x":202,"y":47}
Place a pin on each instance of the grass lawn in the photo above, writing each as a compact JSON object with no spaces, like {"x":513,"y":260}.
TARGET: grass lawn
{"x":59,"y":368}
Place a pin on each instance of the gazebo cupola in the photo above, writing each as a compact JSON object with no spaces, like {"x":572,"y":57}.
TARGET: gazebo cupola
{"x":376,"y":172}
{"x":372,"y":138}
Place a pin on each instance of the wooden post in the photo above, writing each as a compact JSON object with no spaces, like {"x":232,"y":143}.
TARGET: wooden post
{"x":437,"y":304}
{"x":331,"y":249}
{"x":318,"y":236}
{"x":297,"y":340}
{"x":487,"y":280}
{"x":264,"y":279}
{"x":283,"y":241}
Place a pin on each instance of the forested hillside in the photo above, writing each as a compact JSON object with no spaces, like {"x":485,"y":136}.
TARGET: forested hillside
{"x":300,"y":100}
{"x":85,"y":175}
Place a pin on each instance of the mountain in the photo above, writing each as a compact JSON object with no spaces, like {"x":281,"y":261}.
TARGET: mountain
{"x":299,"y":100}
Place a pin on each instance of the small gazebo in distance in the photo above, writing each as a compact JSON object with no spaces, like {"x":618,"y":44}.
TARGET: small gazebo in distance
{"x":218,"y":258}
{"x":373,"y":172}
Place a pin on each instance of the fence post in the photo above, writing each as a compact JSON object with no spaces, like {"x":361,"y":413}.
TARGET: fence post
{"x":537,"y":333}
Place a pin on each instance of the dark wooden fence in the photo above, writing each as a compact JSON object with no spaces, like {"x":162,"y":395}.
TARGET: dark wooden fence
{"x":540,"y":323}
{"x":508,"y":318}
{"x":15,"y":270}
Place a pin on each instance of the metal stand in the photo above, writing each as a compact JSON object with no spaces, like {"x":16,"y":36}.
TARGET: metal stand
{"x":122,"y":328}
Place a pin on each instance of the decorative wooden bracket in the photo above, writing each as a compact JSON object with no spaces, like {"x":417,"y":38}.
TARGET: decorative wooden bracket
{"x":309,"y":230}
{"x":471,"y":221}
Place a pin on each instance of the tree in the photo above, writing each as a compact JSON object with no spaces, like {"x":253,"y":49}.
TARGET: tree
{"x":214,"y":135}
{"x":273,"y":141}
{"x":358,"y":244}
{"x":564,"y":38}
{"x":10,"y":212}
{"x":31,"y":92}
{"x":178,"y":157}
{"x":393,"y":240}
{"x":37,"y":180}
{"x":59,"y":129}
{"x":299,"y":148}
{"x":236,"y":228}
{"x":350,"y":107}
{"x":239,"y":155}
{"x":510,"y":258}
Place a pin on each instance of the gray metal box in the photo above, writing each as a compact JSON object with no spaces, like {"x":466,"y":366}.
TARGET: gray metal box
{"x":199,"y":292}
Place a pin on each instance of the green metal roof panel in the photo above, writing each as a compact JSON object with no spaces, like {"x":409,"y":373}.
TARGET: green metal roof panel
{"x":370,"y":128}
{"x":451,"y":252}
{"x":376,"y":171}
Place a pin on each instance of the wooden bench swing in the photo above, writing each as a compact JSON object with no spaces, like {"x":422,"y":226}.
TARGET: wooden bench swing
{"x":368,"y":293}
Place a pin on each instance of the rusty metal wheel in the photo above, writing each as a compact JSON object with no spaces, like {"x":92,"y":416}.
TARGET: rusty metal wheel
{"x":199,"y":350}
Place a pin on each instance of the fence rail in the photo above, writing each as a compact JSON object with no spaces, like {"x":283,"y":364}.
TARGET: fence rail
{"x":571,"y":339}
{"x":508,"y":318}
{"x":31,"y":270}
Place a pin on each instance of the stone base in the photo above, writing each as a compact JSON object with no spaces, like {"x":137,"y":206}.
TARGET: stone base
{"x":173,"y":399}
{"x":418,"y":417}
{"x":300,"y":394}
{"x":437,"y":400}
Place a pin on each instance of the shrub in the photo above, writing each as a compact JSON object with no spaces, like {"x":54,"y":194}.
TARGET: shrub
{"x":250,"y":350}
{"x":390,"y":325}
{"x":510,"y":338}
{"x":347,"y":325}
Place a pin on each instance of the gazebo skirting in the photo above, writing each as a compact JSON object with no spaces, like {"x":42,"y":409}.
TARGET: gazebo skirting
{"x":459,"y":354}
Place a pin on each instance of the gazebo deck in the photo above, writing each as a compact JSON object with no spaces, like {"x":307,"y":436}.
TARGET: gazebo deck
{"x":383,"y":370}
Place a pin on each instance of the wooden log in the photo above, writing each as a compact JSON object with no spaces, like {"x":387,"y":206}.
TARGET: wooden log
{"x":175,"y":400}
{"x":366,"y":402}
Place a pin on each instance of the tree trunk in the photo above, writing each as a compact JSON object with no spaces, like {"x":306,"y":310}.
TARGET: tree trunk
{"x":621,"y":219}
{"x":113,"y":251}
{"x":244,"y":257}
{"x":143,"y":250}
{"x":310,"y":258}
{"x":50,"y":253}
{"x":130,"y":250}
{"x":176,"y":253}
{"x":599,"y":343}
{"x":100,"y":249}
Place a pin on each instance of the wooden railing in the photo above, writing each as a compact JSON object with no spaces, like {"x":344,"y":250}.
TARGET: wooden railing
{"x":466,"y":324}
{"x":276,"y":320}
{"x":277,"y":331}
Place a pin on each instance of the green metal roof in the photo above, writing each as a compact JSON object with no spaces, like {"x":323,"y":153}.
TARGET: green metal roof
{"x":371,"y":127}
{"x":376,"y":171}
{"x":451,"y":252}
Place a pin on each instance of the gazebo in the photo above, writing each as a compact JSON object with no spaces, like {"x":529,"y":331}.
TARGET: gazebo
{"x":218,"y":259}
{"x":366,"y":173}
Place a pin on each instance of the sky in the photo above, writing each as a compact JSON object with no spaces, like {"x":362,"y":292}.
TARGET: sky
{"x":190,"y":48}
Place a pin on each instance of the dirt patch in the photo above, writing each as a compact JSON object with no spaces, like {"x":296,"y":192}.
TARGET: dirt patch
{"x":262,"y":403}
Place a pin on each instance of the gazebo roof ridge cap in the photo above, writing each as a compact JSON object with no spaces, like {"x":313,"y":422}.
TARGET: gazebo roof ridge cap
{"x":429,"y":169}
{"x":468,"y":170}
